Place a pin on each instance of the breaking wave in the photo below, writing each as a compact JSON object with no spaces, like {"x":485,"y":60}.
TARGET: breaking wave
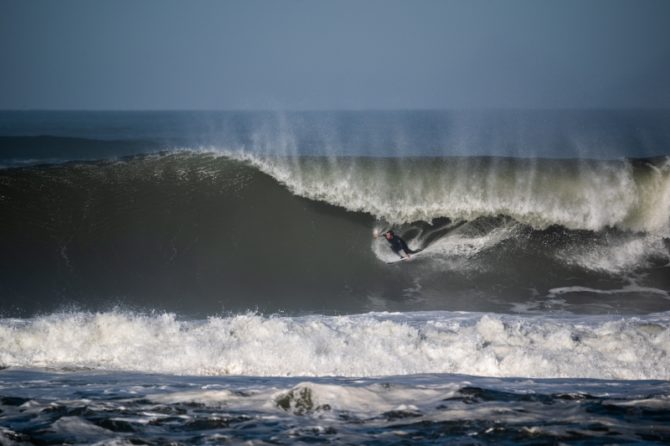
{"x":577,"y":194}
{"x":200,"y":232}
{"x":372,"y":344}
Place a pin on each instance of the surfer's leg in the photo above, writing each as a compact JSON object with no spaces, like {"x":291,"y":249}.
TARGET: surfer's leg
{"x":400,"y":253}
{"x":406,"y":249}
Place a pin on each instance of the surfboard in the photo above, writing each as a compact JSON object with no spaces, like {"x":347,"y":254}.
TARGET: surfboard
{"x":406,"y":259}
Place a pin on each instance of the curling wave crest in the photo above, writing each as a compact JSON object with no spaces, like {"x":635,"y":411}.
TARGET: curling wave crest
{"x":577,"y":194}
{"x":373,"y":344}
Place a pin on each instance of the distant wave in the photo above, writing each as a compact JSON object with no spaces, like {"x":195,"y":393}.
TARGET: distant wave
{"x":17,"y":151}
{"x":361,"y":345}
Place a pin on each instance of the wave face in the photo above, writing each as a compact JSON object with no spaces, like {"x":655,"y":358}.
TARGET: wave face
{"x":200,"y":233}
{"x":363,"y":345}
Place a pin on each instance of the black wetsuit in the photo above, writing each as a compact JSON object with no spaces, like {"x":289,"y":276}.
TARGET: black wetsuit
{"x":398,"y":244}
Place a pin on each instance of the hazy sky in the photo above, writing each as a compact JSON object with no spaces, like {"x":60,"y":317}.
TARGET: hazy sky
{"x":338,"y":54}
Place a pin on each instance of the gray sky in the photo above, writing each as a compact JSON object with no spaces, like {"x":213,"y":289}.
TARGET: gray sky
{"x":338,"y":54}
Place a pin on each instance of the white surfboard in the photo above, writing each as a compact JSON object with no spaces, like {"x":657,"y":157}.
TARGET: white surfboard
{"x":406,"y":259}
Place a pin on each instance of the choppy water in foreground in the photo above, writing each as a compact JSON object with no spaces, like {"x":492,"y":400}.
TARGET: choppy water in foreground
{"x":404,"y":378}
{"x":80,"y":407}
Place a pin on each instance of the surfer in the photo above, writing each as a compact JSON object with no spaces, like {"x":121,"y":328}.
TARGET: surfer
{"x":398,"y":245}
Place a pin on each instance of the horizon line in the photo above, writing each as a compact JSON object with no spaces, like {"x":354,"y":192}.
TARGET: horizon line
{"x":326,"y":110}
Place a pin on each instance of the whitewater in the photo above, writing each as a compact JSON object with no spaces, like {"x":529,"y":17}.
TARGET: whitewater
{"x":373,"y":344}
{"x":122,"y":377}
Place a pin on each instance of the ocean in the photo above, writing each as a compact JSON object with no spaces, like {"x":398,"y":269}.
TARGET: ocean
{"x":206,"y":277}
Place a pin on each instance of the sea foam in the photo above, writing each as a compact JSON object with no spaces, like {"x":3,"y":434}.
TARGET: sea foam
{"x":374,"y":344}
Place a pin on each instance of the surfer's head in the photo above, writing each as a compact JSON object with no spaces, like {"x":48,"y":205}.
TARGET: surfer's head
{"x":388,"y":234}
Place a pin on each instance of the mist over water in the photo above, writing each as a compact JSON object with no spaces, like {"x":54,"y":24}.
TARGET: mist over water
{"x":602,"y":134}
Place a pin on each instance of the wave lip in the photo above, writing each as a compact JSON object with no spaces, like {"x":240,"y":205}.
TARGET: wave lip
{"x":374,"y":344}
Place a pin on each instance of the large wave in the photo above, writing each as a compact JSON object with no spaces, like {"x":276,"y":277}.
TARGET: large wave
{"x":200,"y":232}
{"x":359,"y":345}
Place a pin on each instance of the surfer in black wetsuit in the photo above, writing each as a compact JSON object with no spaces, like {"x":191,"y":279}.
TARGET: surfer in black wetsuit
{"x":398,"y":245}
